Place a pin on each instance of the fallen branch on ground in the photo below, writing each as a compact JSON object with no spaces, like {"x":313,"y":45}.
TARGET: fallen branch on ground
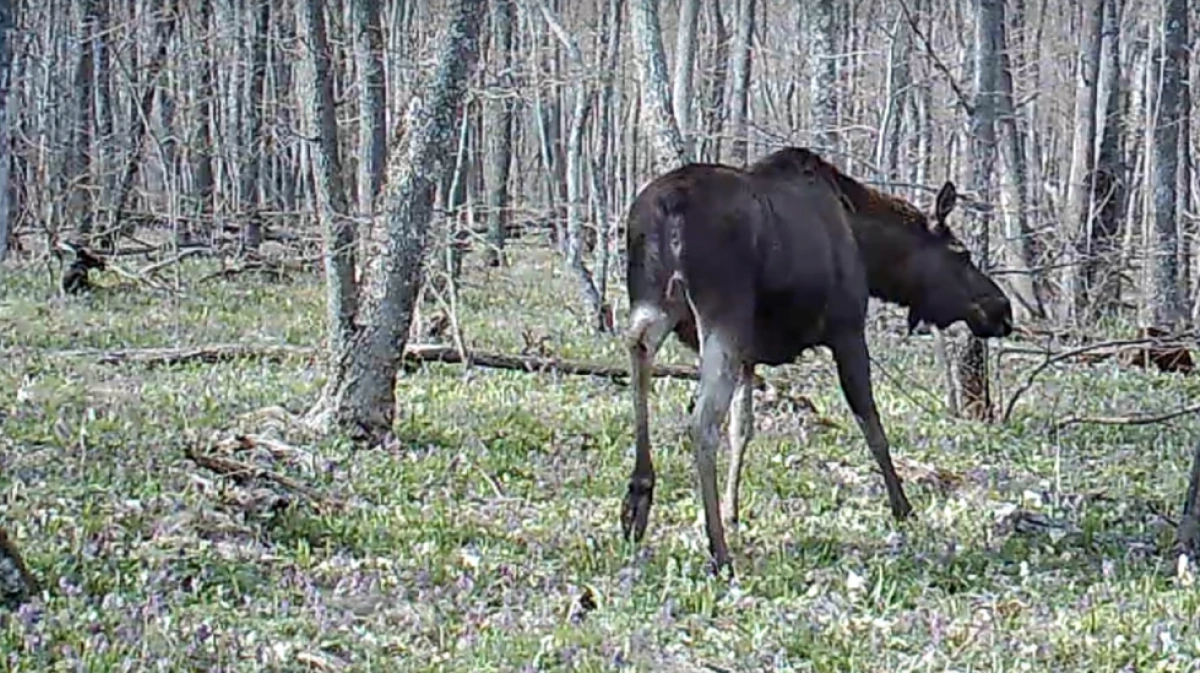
{"x":242,"y":471}
{"x":155,"y":267}
{"x":414,"y":353}
{"x":275,"y":268}
{"x":1140,"y":419}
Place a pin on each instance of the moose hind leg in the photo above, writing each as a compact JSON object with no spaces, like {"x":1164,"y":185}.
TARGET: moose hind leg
{"x":741,"y":431}
{"x":854,"y":374}
{"x":719,"y":368}
{"x":648,"y":328}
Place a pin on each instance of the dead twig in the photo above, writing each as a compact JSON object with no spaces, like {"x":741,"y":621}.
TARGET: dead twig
{"x":145,"y":271}
{"x":1139,"y":419}
{"x":1052,"y":358}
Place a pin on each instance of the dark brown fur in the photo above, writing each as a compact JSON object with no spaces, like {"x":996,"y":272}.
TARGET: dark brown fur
{"x":765,"y":262}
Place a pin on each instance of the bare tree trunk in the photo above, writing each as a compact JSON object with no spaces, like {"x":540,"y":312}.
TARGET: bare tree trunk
{"x":203,"y":179}
{"x":1101,"y":280}
{"x":580,"y":109}
{"x":685,"y":63}
{"x":360,"y":394}
{"x":1019,"y":252}
{"x":1165,"y":306}
{"x":604,"y":164}
{"x":372,"y":101}
{"x":81,"y":204}
{"x":105,"y":110}
{"x":665,"y":140}
{"x":6,"y":68}
{"x":320,"y":117}
{"x":712,"y":111}
{"x":823,"y":75}
{"x":140,"y":117}
{"x":1076,"y":216}
{"x":989,"y":22}
{"x":499,"y":137}
{"x":1188,"y":218}
{"x":892,"y":126}
{"x":740,"y":103}
{"x":253,"y":171}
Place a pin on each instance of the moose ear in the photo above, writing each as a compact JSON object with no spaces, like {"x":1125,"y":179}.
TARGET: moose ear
{"x":947,"y":198}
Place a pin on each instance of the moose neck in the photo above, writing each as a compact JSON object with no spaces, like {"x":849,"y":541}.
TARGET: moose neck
{"x":884,"y":248}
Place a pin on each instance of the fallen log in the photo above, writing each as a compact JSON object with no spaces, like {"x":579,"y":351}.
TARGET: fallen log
{"x":413,"y":354}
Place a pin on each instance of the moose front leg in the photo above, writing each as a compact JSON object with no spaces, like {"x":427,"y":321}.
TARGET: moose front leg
{"x":854,"y":374}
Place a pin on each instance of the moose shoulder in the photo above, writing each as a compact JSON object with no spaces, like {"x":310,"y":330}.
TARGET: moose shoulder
{"x":753,"y":266}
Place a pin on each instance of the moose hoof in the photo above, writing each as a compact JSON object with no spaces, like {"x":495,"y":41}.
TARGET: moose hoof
{"x":902,"y":511}
{"x":721,"y":566}
{"x":635,"y":511}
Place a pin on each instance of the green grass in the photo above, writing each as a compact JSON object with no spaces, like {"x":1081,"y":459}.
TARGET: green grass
{"x":470,"y":547}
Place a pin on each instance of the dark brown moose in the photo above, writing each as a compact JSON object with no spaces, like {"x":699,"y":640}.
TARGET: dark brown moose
{"x":753,"y":266}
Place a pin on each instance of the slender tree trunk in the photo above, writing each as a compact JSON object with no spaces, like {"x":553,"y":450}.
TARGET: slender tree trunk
{"x":823,"y":75}
{"x":6,"y":68}
{"x":1165,"y":306}
{"x":685,"y":64}
{"x":1076,"y":217}
{"x":499,"y":137}
{"x":320,"y":116}
{"x":372,"y":141}
{"x":665,"y":141}
{"x":141,"y":115}
{"x":712,"y":111}
{"x":740,"y":103}
{"x":1101,"y":280}
{"x":203,"y":179}
{"x":360,"y":394}
{"x":1019,"y":249}
{"x":989,"y":22}
{"x":580,"y":109}
{"x":81,"y":206}
{"x":893,"y":126}
{"x":604,"y":164}
{"x":253,"y":171}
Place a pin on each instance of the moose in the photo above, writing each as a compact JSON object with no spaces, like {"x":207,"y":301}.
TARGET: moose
{"x":755,"y":265}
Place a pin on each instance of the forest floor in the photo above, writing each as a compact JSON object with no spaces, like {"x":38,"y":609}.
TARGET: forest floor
{"x":488,"y":539}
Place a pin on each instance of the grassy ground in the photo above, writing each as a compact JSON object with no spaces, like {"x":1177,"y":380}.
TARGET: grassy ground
{"x":477,"y":546}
